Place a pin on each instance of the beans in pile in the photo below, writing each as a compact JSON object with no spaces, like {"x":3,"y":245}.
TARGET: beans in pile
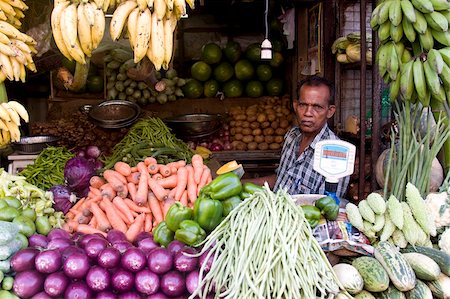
{"x":260,"y":126}
{"x":77,"y":130}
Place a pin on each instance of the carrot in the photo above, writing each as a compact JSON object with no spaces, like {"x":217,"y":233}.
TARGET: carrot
{"x":86,"y":229}
{"x":142,"y":168}
{"x":108,"y":191}
{"x":134,"y":213}
{"x":182,"y":182}
{"x":124,"y":191}
{"x":134,"y":207}
{"x":166,"y":205}
{"x":164,"y":170}
{"x":172,"y":193}
{"x":96,"y":181}
{"x":132,"y":190}
{"x":148,"y":223}
{"x":142,"y":190}
{"x":71,"y":226}
{"x":112,"y":173}
{"x":93,"y":222}
{"x":134,"y":177}
{"x":157,"y":176}
{"x":155,"y":208}
{"x":124,"y":218}
{"x":157,"y":189}
{"x":197,"y":165}
{"x":120,"y":204}
{"x":206,"y":172}
{"x":184,"y":198}
{"x":69,"y":215}
{"x":113,"y":217}
{"x":150,"y":160}
{"x":169,"y":182}
{"x":177,"y":164}
{"x":112,"y":177}
{"x":78,"y":204}
{"x":122,"y":168}
{"x":191,"y":185}
{"x":135,"y":228}
{"x":153,"y":168}
{"x":95,"y":191}
{"x":102,"y":220}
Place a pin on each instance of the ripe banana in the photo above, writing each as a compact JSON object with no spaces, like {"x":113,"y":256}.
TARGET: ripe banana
{"x":4,"y":115}
{"x":159,"y":9}
{"x":408,"y":10}
{"x":3,"y":125}
{"x":169,"y":27}
{"x":180,"y":8}
{"x":98,"y":30}
{"x":431,"y":77}
{"x":6,"y":67}
{"x":19,"y":109}
{"x":132,"y":27}
{"x":84,"y":30}
{"x":69,"y":26}
{"x":435,"y":60}
{"x":407,"y":81}
{"x":119,"y":18}
{"x":157,"y":41}
{"x":419,"y":79}
{"x":13,"y":115}
{"x":143,"y":31}
{"x":56,"y":28}
{"x":13,"y":130}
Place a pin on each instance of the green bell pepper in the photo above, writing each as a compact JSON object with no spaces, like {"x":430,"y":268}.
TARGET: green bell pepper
{"x":190,"y":233}
{"x":177,"y":213}
{"x":207,"y":212}
{"x":251,"y":188}
{"x":162,"y":234}
{"x":223,"y":186}
{"x":230,"y":203}
{"x":312,"y":215}
{"x":328,"y":207}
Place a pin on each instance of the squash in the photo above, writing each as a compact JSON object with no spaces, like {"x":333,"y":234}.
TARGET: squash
{"x":374,"y":275}
{"x":349,"y":277}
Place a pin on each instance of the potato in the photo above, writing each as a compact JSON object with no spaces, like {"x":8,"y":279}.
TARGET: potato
{"x":263,"y":146}
{"x":256,"y":132}
{"x":280,"y":131}
{"x":235,"y":143}
{"x":252,"y":146}
{"x":246,"y":131}
{"x":241,"y":146}
{"x":233,"y":131}
{"x":274,"y":146}
{"x":271,"y":117}
{"x":239,"y":123}
{"x":232,"y":123}
{"x":247,"y":138}
{"x":285,"y":111}
{"x":275,"y":124}
{"x":251,"y":118}
{"x":278,"y":139}
{"x":268,"y":131}
{"x":255,"y":125}
{"x":262,"y":117}
{"x":269,"y":139}
{"x":280,"y":115}
{"x":259,"y":139}
{"x":238,"y":130}
{"x":241,"y":117}
{"x":284,"y":123}
{"x":269,"y":110}
{"x":238,"y":136}
{"x":265,"y":124}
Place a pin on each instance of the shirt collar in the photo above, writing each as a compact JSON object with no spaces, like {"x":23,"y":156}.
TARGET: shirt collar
{"x":323,"y":134}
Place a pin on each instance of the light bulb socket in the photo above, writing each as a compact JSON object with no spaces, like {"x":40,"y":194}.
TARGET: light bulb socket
{"x":266,"y":49}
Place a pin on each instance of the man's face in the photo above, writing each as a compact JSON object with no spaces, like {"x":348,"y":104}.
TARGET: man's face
{"x":312,"y":108}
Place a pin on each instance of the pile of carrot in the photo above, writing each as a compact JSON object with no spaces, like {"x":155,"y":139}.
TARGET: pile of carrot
{"x":136,"y":199}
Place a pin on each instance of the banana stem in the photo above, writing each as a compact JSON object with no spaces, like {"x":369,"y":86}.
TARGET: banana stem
{"x":80,"y":76}
{"x":439,"y":109}
{"x":3,"y":94}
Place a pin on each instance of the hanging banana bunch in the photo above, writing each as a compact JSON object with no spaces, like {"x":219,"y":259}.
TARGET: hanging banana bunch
{"x":150,"y":26}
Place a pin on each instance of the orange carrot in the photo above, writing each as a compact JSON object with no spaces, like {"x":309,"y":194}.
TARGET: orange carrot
{"x":134,"y":169}
{"x":206,"y":173}
{"x":108,"y":191}
{"x":135,"y":228}
{"x":134,"y":177}
{"x":169,"y":182}
{"x":124,"y":218}
{"x":142,"y":190}
{"x":70,"y":226}
{"x":177,"y":164}
{"x":157,"y":189}
{"x":191,"y":185}
{"x":122,"y":168}
{"x":155,"y":207}
{"x":69,"y":215}
{"x":78,"y":204}
{"x":96,"y":181}
{"x":120,"y":204}
{"x":132,"y":190}
{"x":134,"y":207}
{"x":172,"y":193}
{"x":93,"y":222}
{"x":153,"y":168}
{"x":95,"y":191}
{"x":164,"y":170}
{"x":150,"y":160}
{"x":113,"y":217}
{"x":182,"y":182}
{"x":141,"y":167}
{"x":157,"y":176}
{"x":112,"y":177}
{"x":102,"y":220}
{"x":197,"y":165}
{"x":148,"y":223}
{"x":112,"y":173}
{"x":167,"y":203}
{"x":86,"y":229}
{"x":184,"y":198}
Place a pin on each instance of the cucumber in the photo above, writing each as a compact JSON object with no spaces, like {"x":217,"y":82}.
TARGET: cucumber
{"x":375,"y":277}
{"x":424,"y":267}
{"x":390,"y":293}
{"x":440,"y":257}
{"x":364,"y":295}
{"x":397,"y":267}
{"x":440,"y":288}
{"x":420,"y":291}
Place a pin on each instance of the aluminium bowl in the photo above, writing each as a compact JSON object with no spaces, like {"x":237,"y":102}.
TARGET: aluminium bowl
{"x":34,"y":144}
{"x":194,"y":125}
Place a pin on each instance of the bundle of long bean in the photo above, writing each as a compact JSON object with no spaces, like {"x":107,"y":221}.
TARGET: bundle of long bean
{"x":149,"y":137}
{"x":48,"y":168}
{"x":265,"y":249}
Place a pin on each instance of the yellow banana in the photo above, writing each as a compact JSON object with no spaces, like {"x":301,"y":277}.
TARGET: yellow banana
{"x":132,"y":26}
{"x":159,"y":9}
{"x":143,"y":30}
{"x":150,"y":4}
{"x":69,"y":25}
{"x":424,"y":6}
{"x":440,"y":4}
{"x":426,"y":40}
{"x":99,"y":4}
{"x":2,"y":76}
{"x":149,"y":53}
{"x":420,"y":24}
{"x":13,"y":115}
{"x":445,"y":76}
{"x":442,"y":37}
{"x":3,"y":16}
{"x":20,"y":109}
{"x":395,"y":12}
{"x":13,"y":130}
{"x":84,"y":30}
{"x":98,"y":30}
{"x":4,"y":115}
{"x":408,"y":30}
{"x":106,"y":5}
{"x":23,"y":73}
{"x":142,"y":4}
{"x":6,"y":137}
{"x":7,"y":9}
{"x":394,"y":88}
{"x":435,"y":60}
{"x":384,"y":32}
{"x":169,"y":27}
{"x":19,"y":4}
{"x":119,"y":18}
{"x":157,"y":39}
{"x":16,"y":68}
{"x":3,"y":125}
{"x":419,"y":79}
{"x":396,"y":32}
{"x":191,"y":4}
{"x":408,"y":10}
{"x":7,"y":50}
{"x":89,"y":12}
{"x":4,"y":39}
{"x":10,"y":30}
{"x":437,"y":21}
{"x":56,"y":29}
{"x":180,"y":8}
{"x":19,"y":13}
{"x":6,"y":66}
{"x":445,"y":53}
{"x":169,"y":4}
{"x":407,"y":81}
{"x":431,"y":77}
{"x":22,"y":46}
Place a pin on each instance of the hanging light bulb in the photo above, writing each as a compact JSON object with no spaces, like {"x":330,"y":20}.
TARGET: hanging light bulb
{"x":266,"y":46}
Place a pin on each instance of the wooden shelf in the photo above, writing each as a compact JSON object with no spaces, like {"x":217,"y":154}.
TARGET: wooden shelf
{"x":355,"y":66}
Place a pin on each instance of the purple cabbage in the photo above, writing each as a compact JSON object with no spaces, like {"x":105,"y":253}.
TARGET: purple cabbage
{"x":77,"y":173}
{"x":63,"y":198}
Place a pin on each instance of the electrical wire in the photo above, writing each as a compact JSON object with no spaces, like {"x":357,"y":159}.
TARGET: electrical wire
{"x":266,"y":16}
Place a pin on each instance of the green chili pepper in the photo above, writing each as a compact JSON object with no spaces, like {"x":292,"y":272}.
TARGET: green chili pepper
{"x":230,"y":203}
{"x":207,"y":212}
{"x":328,"y":207}
{"x":312,"y":215}
{"x":162,"y":234}
{"x":190,"y":233}
{"x":224,"y":186}
{"x":251,"y":188}
{"x":176,"y":214}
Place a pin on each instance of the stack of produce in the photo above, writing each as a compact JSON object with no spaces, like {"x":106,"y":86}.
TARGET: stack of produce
{"x":218,"y":141}
{"x":10,"y":114}
{"x":135,"y":199}
{"x":261,"y":126}
{"x":235,"y":73}
{"x":92,"y":266}
{"x":348,"y":48}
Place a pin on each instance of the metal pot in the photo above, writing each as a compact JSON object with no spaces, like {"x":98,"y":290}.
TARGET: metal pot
{"x":113,"y":113}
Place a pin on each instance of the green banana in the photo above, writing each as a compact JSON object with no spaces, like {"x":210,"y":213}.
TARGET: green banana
{"x":435,"y":60}
{"x":431,"y":77}
{"x":383,"y":14}
{"x":426,"y":40}
{"x":396,"y":32}
{"x":424,"y":6}
{"x":399,"y":48}
{"x":408,"y":30}
{"x":445,"y":76}
{"x":340,"y":43}
{"x":384,"y":32}
{"x":421,"y":24}
{"x":381,"y":58}
{"x":442,"y":37}
{"x":419,"y":79}
{"x":406,"y":56}
{"x":436,"y":21}
{"x":407,"y":81}
{"x":354,"y":37}
{"x":386,"y":78}
{"x":392,"y":65}
{"x":395,"y":12}
{"x":408,"y":10}
{"x":394,"y":88}
{"x":425,"y":101}
{"x":374,"y":19}
{"x":440,"y":96}
{"x":440,"y":4}
{"x":445,"y":53}
{"x":446,"y":14}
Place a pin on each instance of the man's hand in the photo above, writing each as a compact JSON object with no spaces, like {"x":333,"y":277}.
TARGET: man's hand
{"x":270,"y":179}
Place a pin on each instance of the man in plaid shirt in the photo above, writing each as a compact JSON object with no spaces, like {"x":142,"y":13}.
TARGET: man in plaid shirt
{"x":313,"y":109}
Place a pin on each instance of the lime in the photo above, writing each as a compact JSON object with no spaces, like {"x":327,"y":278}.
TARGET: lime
{"x":274,"y":87}
{"x":253,"y":52}
{"x":233,"y":88}
{"x":8,"y":213}
{"x":201,"y":71}
{"x":7,"y":283}
{"x":30,"y":213}
{"x":3,"y":204}
{"x":244,"y":69}
{"x":264,"y":72}
{"x":277,"y":45}
{"x":277,"y":59}
{"x":223,"y":72}
{"x":4,"y":294}
{"x":211,"y":88}
{"x":211,"y":53}
{"x":254,"y":89}
{"x":22,"y":239}
{"x":193,"y":89}
{"x":95,"y":83}
{"x":12,"y":201}
{"x":43,"y":226}
{"x":25,"y":224}
{"x":232,"y":51}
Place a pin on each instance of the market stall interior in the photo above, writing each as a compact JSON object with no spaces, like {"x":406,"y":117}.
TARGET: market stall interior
{"x":132,"y":132}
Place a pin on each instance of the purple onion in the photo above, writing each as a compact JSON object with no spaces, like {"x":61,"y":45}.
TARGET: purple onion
{"x":77,"y":290}
{"x":160,"y":260}
{"x":173,"y":284}
{"x":133,"y":260}
{"x":122,"y":281}
{"x":122,"y":246}
{"x":109,"y":258}
{"x":48,"y":261}
{"x":55,"y":284}
{"x":76,"y":265}
{"x":98,"y":279}
{"x":38,"y":241}
{"x":95,"y":246}
{"x":115,"y":235}
{"x":59,"y":243}
{"x":106,"y":295}
{"x":185,"y":263}
{"x":24,"y":259}
{"x":58,"y":233}
{"x":147,"y":282}
{"x":147,"y":245}
{"x":175,"y":246}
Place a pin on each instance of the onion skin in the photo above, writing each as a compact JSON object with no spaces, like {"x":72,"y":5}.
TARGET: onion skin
{"x":28,"y":283}
{"x":48,"y":261}
{"x":77,"y":290}
{"x":55,"y":284}
{"x":24,"y":259}
{"x":160,"y":260}
{"x":76,"y":266}
{"x":147,"y":282}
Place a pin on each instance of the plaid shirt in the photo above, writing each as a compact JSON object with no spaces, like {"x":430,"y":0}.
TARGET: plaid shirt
{"x":296,"y":174}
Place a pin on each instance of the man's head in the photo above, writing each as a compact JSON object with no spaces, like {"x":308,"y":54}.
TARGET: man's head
{"x":315,"y":104}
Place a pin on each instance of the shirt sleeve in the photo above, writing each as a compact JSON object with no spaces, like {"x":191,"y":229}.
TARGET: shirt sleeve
{"x":342,"y":186}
